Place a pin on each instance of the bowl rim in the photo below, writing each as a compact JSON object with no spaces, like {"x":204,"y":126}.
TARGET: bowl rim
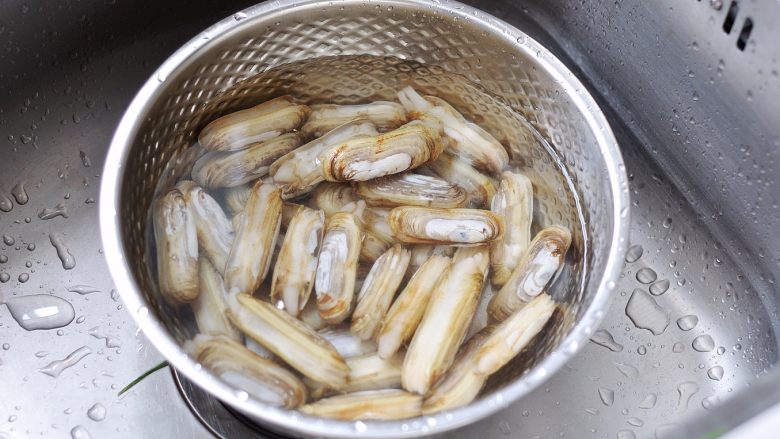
{"x":292,"y":421}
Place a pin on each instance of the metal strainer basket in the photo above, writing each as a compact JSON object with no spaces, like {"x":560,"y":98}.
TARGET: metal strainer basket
{"x":351,"y":52}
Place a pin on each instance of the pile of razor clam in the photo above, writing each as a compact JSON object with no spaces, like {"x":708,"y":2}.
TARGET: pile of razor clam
{"x":393,"y":214}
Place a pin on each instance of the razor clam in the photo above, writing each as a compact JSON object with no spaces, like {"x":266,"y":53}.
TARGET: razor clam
{"x":176,"y":239}
{"x":447,"y":318}
{"x":214,"y":229}
{"x":211,"y":305}
{"x":470,"y":142}
{"x":540,"y":263}
{"x":238,"y":130}
{"x":461,"y":384}
{"x":513,"y":334}
{"x":256,"y":234}
{"x":400,"y":323}
{"x":296,"y":265}
{"x":386,"y":404}
{"x":218,"y":169}
{"x":459,"y":227}
{"x":245,"y":370}
{"x":310,"y":315}
{"x":479,"y":187}
{"x":365,"y":158}
{"x":288,"y":338}
{"x":514,"y":202}
{"x":410,"y":189}
{"x":385,"y":115}
{"x":378,"y":291}
{"x":333,"y":197}
{"x":346,"y":343}
{"x":299,"y":171}
{"x":236,"y":197}
{"x":337,"y":267}
{"x":371,"y":372}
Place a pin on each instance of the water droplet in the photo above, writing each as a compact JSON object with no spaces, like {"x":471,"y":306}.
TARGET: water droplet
{"x":685,"y":392}
{"x":111,"y":342}
{"x":8,"y":240}
{"x":626,"y":434}
{"x":715,"y":373}
{"x":649,"y":401}
{"x":636,"y":422}
{"x":627,"y":370}
{"x":97,"y":412}
{"x":80,"y":319}
{"x":53,"y":212}
{"x":85,"y":161}
{"x":602,"y":337}
{"x":4,"y":277}
{"x":24,"y":277}
{"x":6,"y":346}
{"x":68,"y":261}
{"x":55,"y":368}
{"x":20,"y":193}
{"x":238,"y":16}
{"x":60,"y":332}
{"x":40,"y":311}
{"x":114,"y":295}
{"x":79,"y":432}
{"x":646,"y":275}
{"x":678,"y":347}
{"x":3,"y":259}
{"x":83,"y":289}
{"x":641,"y":350}
{"x":360,"y":426}
{"x":710,"y":402}
{"x":593,"y":412}
{"x":659,"y":287}
{"x":634,"y":253}
{"x":686,"y":323}
{"x":721,"y":350}
{"x":703,"y":343}
{"x":6,"y":205}
{"x":667,"y":223}
{"x":41,"y":354}
{"x":607,"y":396}
{"x":645,"y":313}
{"x":31,"y":246}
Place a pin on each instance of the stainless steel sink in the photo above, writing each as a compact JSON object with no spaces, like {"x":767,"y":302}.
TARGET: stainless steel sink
{"x":691,"y":91}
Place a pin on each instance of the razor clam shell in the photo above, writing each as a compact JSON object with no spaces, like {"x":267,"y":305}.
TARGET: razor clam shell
{"x":236,"y":197}
{"x":332,"y":198}
{"x":371,"y":372}
{"x":540,"y":263}
{"x":479,"y":187}
{"x":385,"y":115}
{"x":461,"y":384}
{"x":365,"y":158}
{"x":404,"y":316}
{"x":299,"y":171}
{"x":378,"y":291}
{"x":211,"y":304}
{"x":337,"y":267}
{"x":469,"y":141}
{"x":243,"y":369}
{"x":513,"y":334}
{"x":386,"y":404}
{"x":256,"y":234}
{"x":346,"y":343}
{"x":176,"y":240}
{"x":288,"y":338}
{"x":218,"y":169}
{"x":458,"y":227}
{"x":514,"y":203}
{"x":238,"y":130}
{"x":215,"y":231}
{"x":289,"y":210}
{"x":296,"y":265}
{"x":410,"y":189}
{"x":446,"y":320}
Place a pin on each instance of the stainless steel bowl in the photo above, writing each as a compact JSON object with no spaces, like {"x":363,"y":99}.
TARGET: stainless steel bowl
{"x":354,"y":51}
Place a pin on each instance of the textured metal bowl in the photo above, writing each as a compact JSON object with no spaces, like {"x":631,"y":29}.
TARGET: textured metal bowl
{"x":353,"y":51}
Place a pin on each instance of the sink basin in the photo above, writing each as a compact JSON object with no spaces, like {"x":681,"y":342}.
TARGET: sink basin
{"x":692,"y":101}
